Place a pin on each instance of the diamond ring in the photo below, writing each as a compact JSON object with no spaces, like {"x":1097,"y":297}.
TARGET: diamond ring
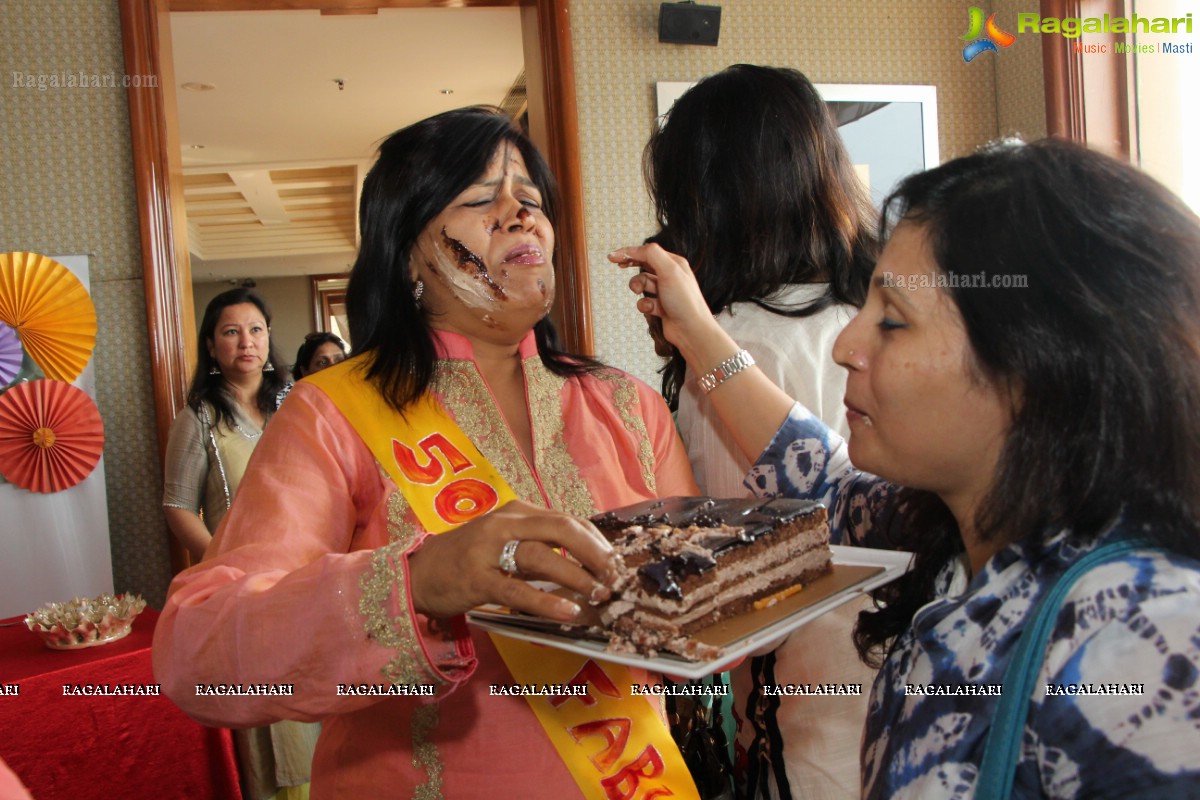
{"x":508,"y":557}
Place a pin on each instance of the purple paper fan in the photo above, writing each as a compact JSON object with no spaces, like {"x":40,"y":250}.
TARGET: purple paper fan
{"x":10,"y":354}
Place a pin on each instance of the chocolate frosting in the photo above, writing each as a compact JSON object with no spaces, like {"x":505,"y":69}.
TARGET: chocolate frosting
{"x":735,"y":522}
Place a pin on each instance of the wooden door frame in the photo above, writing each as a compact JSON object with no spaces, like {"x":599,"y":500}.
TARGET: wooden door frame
{"x":1088,"y":98}
{"x":158,"y":172}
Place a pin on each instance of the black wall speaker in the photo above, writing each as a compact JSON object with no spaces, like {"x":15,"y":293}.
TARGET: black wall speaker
{"x":688,"y":23}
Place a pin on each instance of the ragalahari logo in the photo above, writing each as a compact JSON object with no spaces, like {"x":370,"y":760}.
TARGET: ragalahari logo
{"x":991,"y":35}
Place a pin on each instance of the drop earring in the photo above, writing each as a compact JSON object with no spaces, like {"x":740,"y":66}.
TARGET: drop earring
{"x":269,"y":367}
{"x":214,"y":370}
{"x":418,"y":290}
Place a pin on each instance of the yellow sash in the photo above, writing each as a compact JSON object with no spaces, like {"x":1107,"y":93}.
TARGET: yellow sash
{"x":614,"y":743}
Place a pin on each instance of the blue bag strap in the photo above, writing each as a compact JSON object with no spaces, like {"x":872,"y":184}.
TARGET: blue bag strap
{"x":1002,"y":750}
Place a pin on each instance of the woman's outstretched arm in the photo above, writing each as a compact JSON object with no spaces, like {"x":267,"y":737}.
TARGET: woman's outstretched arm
{"x":749,"y":404}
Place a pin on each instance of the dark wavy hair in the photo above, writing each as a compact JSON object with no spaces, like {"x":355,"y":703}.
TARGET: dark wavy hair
{"x":308,"y":349}
{"x":1096,"y":326}
{"x":752,"y":185}
{"x":420,"y":170}
{"x":211,"y":388}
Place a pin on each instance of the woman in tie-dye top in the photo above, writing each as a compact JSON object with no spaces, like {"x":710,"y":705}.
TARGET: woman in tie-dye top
{"x":1025,"y":381}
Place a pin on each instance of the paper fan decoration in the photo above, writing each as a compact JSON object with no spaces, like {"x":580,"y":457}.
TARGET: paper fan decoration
{"x":51,"y":435}
{"x":51,"y":310}
{"x":10,"y":355}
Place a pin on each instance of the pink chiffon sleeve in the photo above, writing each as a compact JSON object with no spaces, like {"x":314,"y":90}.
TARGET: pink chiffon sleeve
{"x":673,"y":471}
{"x":304,"y":587}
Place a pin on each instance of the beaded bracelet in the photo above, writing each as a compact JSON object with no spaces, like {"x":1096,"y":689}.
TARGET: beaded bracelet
{"x":725,"y":370}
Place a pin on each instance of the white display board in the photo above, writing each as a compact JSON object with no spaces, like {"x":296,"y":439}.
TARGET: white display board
{"x":54,"y":547}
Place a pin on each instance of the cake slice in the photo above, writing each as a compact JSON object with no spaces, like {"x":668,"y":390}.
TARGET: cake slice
{"x":691,"y":561}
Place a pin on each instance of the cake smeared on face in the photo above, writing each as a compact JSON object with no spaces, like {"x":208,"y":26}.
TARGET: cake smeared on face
{"x":491,"y":226}
{"x":691,"y":561}
{"x":490,"y":251}
{"x":466,"y":274}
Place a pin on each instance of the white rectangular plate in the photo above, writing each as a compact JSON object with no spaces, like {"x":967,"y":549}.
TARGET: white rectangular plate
{"x":855,"y":570}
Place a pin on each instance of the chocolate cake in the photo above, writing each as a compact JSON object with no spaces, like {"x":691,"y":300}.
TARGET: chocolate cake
{"x":691,"y":561}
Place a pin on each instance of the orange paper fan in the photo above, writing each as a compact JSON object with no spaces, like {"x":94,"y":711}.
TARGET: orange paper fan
{"x":51,"y":309}
{"x":51,"y":435}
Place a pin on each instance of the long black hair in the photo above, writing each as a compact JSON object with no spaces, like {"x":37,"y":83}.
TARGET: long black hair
{"x":209,"y":388}
{"x":420,"y":170}
{"x":1082,"y":293}
{"x":752,"y":185}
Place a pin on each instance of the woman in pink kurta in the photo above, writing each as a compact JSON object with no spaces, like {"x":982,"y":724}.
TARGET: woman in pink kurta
{"x":322,"y":577}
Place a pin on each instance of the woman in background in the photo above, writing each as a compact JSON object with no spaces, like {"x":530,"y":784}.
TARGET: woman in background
{"x":319,"y":351}
{"x":752,"y":185}
{"x":232,"y":397}
{"x":1023,"y":385}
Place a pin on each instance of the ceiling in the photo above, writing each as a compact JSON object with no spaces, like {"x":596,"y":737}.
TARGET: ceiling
{"x":275,"y":153}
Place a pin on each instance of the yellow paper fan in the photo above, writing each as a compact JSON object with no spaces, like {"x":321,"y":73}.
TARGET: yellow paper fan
{"x":51,"y":309}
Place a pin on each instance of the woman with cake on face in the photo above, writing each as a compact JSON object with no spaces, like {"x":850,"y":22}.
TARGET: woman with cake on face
{"x":425,"y":475}
{"x":752,"y":185}
{"x":1022,"y":387}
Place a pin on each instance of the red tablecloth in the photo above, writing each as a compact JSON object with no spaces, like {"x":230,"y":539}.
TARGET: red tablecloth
{"x":103,"y":747}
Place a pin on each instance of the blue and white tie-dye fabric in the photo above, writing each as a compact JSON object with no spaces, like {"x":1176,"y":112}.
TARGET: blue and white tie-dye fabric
{"x":1116,"y":712}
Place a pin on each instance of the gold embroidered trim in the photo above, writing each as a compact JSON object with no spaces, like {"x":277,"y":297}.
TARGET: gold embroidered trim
{"x":379,"y":585}
{"x":425,"y":752}
{"x":560,"y":476}
{"x":467,"y":398}
{"x":625,"y":398}
{"x":403,"y":530}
